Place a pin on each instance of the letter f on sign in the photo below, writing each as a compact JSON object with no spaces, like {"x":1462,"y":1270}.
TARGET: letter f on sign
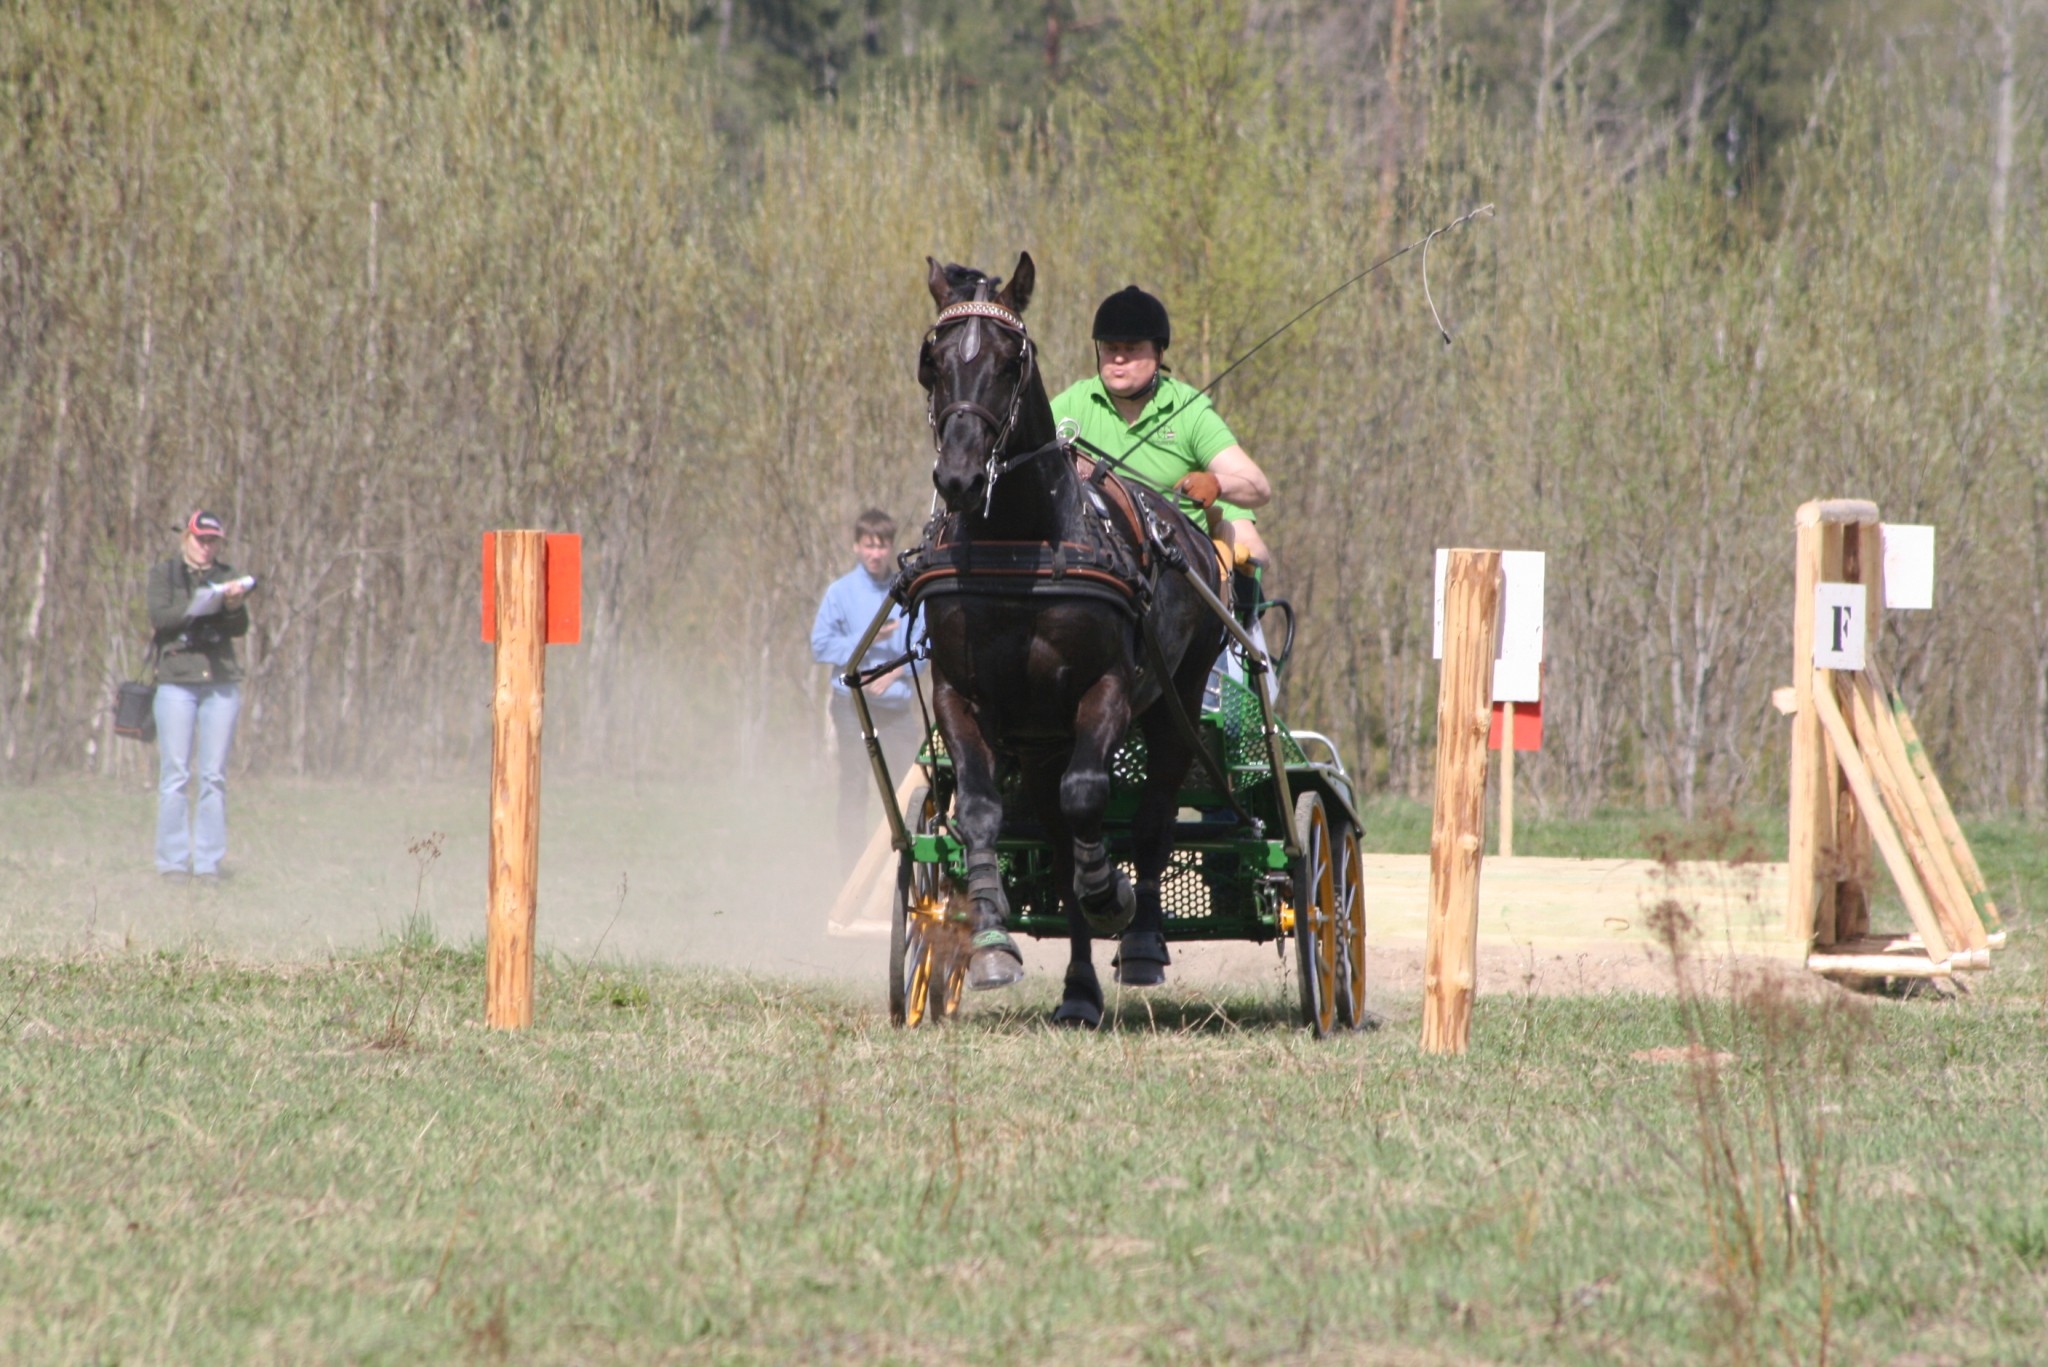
{"x":1839,"y":628}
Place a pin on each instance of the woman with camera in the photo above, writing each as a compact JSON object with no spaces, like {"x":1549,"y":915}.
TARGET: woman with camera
{"x":196,"y":610}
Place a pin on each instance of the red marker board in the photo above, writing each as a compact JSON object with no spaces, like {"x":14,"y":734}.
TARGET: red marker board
{"x":1528,"y":726}
{"x":565,"y":588}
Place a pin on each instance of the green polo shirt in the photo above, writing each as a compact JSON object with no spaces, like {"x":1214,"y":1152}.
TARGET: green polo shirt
{"x":1156,"y":449}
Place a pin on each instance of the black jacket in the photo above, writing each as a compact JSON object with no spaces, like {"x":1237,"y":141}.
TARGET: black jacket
{"x":193,"y":650}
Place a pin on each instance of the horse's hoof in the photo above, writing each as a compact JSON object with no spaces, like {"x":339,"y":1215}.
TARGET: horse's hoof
{"x":1110,"y":912}
{"x":996,"y":962}
{"x":1082,"y":1005}
{"x":1141,"y":959}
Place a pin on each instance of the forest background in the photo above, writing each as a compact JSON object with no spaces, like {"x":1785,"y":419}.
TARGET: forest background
{"x":371,"y":278}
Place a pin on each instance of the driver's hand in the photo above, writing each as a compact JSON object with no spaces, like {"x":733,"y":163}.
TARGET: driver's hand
{"x":1201,"y":486}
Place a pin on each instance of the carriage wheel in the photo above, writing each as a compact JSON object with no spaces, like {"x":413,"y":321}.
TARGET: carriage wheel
{"x":927,"y":951}
{"x":1315,"y":916}
{"x":1350,"y":928}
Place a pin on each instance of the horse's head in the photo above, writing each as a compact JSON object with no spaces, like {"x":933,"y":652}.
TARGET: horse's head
{"x":976,"y":366}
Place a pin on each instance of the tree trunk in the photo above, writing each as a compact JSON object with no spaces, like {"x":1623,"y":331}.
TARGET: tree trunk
{"x":2007,"y":25}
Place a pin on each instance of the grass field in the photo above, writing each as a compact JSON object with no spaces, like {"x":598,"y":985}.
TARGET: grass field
{"x":319,"y":1155}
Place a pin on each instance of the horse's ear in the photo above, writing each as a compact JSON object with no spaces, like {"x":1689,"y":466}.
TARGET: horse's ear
{"x":941,"y":288}
{"x":1016,"y":295}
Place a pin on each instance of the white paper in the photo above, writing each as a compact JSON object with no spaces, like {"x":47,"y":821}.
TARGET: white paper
{"x":1518,"y":663}
{"x":211,"y":598}
{"x":1908,"y":567}
{"x":1838,"y":625}
{"x":1518,"y":637}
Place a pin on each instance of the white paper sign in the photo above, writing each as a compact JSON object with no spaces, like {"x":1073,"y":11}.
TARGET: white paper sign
{"x":1518,"y":635}
{"x":1908,"y":567}
{"x":1518,"y":666}
{"x":1838,"y":626}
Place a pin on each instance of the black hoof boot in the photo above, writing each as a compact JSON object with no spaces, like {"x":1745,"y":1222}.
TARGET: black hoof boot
{"x":1082,"y":1004}
{"x":1141,"y":959}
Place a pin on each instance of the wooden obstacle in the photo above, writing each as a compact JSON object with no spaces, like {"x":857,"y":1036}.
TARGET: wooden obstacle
{"x":1860,"y":780}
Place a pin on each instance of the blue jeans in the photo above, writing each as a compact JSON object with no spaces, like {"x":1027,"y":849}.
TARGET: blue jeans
{"x":194,"y":725}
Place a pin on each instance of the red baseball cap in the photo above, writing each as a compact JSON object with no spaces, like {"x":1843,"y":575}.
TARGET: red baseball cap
{"x":204,"y":524}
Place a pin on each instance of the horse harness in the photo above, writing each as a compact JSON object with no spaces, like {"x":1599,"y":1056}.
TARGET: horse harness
{"x":1107,"y":555}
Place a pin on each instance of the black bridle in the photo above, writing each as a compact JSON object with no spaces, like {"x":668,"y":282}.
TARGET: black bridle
{"x":968,"y":311}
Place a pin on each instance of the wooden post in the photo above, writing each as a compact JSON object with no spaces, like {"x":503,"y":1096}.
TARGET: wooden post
{"x":1472,"y":589}
{"x":1804,"y":887}
{"x":1507,"y":779}
{"x":1828,"y":854}
{"x":521,"y":607}
{"x":1859,"y":560}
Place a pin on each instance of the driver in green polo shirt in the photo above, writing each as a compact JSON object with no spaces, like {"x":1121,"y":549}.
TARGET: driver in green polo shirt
{"x":1166,"y":434}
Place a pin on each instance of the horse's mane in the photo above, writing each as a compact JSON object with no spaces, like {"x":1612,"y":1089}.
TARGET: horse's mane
{"x":965,"y":282}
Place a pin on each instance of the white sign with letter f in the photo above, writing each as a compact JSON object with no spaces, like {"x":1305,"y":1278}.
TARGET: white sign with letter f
{"x":1838,"y":625}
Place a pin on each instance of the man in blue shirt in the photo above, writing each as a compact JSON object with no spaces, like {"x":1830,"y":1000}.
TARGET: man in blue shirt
{"x":850,"y":603}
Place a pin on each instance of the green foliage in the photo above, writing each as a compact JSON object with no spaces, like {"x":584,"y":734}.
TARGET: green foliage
{"x":374,"y":280}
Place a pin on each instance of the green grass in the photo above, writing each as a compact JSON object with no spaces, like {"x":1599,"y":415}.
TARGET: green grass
{"x":323,"y":1156}
{"x":1399,"y":825}
{"x":214,"y":1161}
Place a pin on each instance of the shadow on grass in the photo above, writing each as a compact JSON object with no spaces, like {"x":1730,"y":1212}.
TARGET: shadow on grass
{"x":1148,"y":1014}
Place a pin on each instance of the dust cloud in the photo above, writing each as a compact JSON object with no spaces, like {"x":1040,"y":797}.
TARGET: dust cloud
{"x":712,"y":844}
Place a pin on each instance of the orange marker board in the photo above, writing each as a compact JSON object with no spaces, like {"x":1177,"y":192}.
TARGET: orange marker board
{"x":564,"y":588}
{"x":1528,"y":726}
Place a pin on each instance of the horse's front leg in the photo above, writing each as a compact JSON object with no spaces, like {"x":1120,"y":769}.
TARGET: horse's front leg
{"x":1142,"y":958}
{"x":1102,"y":890}
{"x":994,"y":959}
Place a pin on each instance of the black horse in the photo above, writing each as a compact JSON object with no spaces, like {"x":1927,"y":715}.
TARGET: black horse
{"x":1047,"y":682}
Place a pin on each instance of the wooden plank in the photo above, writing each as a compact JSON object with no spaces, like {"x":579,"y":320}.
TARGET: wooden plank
{"x":1908,"y":804}
{"x":1872,"y":806}
{"x":520,"y":676}
{"x":1944,"y":814}
{"x":1838,"y":965}
{"x":1472,"y":588}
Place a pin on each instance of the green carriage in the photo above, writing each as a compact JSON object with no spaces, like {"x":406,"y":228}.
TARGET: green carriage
{"x":1275,"y":857}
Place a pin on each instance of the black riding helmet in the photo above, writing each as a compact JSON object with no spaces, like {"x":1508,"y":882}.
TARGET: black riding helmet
{"x":1132,"y":315}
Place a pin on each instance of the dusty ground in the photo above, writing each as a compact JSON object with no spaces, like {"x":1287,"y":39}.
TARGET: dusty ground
{"x":1547,"y":926}
{"x":680,"y":875}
